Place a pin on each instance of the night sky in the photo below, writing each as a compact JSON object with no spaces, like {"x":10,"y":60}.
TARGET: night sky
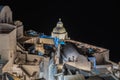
{"x":92,"y":21}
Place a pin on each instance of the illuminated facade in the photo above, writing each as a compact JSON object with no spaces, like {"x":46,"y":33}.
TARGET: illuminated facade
{"x":36,"y":56}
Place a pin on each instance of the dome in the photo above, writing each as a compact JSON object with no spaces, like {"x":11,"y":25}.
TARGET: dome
{"x":59,"y":28}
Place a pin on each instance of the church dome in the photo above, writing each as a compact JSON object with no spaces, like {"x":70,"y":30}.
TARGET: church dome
{"x":59,"y":28}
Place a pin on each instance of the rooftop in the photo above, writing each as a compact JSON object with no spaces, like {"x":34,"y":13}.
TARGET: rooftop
{"x":6,"y":28}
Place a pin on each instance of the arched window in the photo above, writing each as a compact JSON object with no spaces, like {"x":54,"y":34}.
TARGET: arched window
{"x":5,"y":18}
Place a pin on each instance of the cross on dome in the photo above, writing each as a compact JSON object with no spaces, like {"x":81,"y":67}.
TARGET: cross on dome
{"x":59,"y":23}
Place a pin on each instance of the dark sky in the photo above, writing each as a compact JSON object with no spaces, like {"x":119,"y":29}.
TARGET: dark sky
{"x":91,"y":21}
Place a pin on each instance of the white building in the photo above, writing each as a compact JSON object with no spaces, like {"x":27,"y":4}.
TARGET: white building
{"x":6,"y":17}
{"x":7,"y":46}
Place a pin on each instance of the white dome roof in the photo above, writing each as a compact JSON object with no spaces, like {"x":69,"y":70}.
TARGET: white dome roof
{"x":59,"y":28}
